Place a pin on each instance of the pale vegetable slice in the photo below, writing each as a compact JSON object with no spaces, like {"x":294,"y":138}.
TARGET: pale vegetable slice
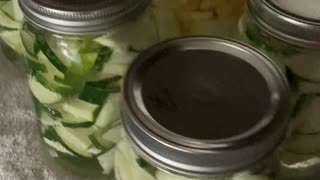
{"x":7,"y":22}
{"x":307,"y":87}
{"x":12,"y":8}
{"x":110,"y":112}
{"x":161,"y":175}
{"x":168,"y":4}
{"x":305,"y":65}
{"x":76,"y":139}
{"x":308,"y":116}
{"x":80,"y":109}
{"x":52,"y":70}
{"x":126,"y":166}
{"x":57,"y":146}
{"x":106,"y":161}
{"x":249,"y":177}
{"x":166,"y":23}
{"x":44,"y":95}
{"x":113,"y":135}
{"x":12,"y":39}
{"x":214,"y":27}
{"x":110,"y":70}
{"x":303,"y":144}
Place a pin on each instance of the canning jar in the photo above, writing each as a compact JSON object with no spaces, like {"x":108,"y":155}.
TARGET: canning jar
{"x":289,"y":31}
{"x":77,"y":54}
{"x":10,"y":23}
{"x":204,"y":108}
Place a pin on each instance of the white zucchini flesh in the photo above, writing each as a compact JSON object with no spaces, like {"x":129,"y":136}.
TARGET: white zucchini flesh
{"x":126,"y":166}
{"x":303,"y":144}
{"x":305,"y":65}
{"x":44,"y":95}
{"x":161,"y":175}
{"x":308,"y":116}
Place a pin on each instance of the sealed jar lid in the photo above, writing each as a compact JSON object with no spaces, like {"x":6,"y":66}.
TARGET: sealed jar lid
{"x":293,"y":21}
{"x":80,"y":16}
{"x":203,"y":106}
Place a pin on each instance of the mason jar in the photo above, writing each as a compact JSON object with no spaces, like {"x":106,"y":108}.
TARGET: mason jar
{"x":77,"y":54}
{"x":10,"y":23}
{"x":203,"y":108}
{"x":289,"y":32}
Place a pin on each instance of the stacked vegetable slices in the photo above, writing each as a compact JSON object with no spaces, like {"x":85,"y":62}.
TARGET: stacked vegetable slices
{"x":10,"y":22}
{"x":76,"y":82}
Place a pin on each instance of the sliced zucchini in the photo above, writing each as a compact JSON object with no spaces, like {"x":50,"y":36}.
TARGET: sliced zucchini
{"x":12,"y":8}
{"x":106,"y":161}
{"x":53,"y":72}
{"x":110,"y":71}
{"x":161,"y":175}
{"x":114,"y":42}
{"x":126,"y":166}
{"x":307,"y":87}
{"x":166,"y":23}
{"x":305,"y":65}
{"x":308,"y":116}
{"x":113,"y":135}
{"x":94,"y":95}
{"x":124,"y":58}
{"x":47,"y":121}
{"x":109,"y":112}
{"x":80,"y":109}
{"x":46,"y":80}
{"x":209,"y":27}
{"x":44,"y":95}
{"x":58,"y":146}
{"x":103,"y":57}
{"x":67,"y":51}
{"x":13,"y":40}
{"x":7,"y":22}
{"x":250,"y":177}
{"x":76,"y":139}
{"x":49,"y":55}
{"x":29,"y":42}
{"x":303,"y":144}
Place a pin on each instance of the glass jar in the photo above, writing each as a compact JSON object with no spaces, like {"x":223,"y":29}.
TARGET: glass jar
{"x":189,"y":108}
{"x":77,"y":54}
{"x":10,"y":23}
{"x":289,"y":32}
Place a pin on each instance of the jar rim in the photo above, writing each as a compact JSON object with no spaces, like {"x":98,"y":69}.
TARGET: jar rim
{"x":82,"y":21}
{"x":285,"y":25}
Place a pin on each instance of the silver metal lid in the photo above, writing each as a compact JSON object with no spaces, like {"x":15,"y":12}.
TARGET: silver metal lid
{"x":80,"y":16}
{"x":194,"y":153}
{"x":281,"y":22}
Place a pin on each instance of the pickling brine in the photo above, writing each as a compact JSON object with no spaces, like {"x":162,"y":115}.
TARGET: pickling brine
{"x":289,"y":33}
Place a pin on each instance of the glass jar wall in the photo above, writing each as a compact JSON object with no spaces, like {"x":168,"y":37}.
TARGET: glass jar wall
{"x":290,"y":35}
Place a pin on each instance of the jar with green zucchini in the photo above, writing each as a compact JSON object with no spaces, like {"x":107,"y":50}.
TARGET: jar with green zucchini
{"x":288,"y":31}
{"x":77,"y":55}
